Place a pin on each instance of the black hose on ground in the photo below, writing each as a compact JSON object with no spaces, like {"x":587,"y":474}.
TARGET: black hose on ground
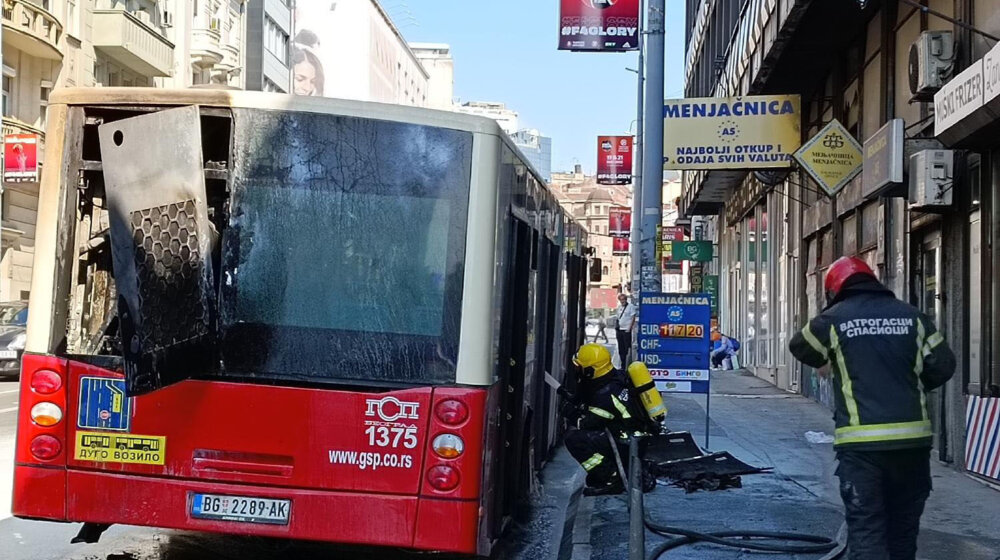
{"x":639,"y":521}
{"x":739,"y":539}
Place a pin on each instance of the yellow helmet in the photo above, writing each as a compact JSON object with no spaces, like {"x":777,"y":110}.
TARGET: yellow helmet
{"x":594,"y":356}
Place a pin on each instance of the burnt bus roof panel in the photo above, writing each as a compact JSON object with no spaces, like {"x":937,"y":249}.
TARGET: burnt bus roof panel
{"x":276,"y":101}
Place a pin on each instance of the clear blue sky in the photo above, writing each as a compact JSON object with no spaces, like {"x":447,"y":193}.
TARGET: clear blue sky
{"x":506,"y":51}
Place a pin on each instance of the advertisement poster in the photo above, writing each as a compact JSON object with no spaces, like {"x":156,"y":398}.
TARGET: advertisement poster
{"x":614,"y":160}
{"x":620,"y":221}
{"x":20,"y":157}
{"x":752,"y":132}
{"x":668,"y":235}
{"x":599,"y":25}
{"x":619,"y":246}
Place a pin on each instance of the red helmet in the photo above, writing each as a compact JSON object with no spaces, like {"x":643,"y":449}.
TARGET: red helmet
{"x":842,"y":269}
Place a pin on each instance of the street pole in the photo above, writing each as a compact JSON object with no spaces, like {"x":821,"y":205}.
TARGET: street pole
{"x":652,"y":148}
{"x":637,"y":175}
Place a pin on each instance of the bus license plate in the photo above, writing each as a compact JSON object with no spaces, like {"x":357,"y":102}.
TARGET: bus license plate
{"x":243,"y":509}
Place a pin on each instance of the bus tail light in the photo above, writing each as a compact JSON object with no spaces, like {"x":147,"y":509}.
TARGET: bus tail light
{"x":42,"y":434}
{"x":46,"y":414}
{"x":45,"y":382}
{"x":443,"y":478}
{"x":451,"y":412}
{"x":448,"y":446}
{"x":45,"y":447}
{"x":453,"y":452}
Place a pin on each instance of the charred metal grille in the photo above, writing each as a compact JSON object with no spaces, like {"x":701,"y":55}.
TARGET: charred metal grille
{"x":168,"y":274}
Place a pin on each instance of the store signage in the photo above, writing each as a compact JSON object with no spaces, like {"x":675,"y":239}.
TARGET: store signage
{"x":699,"y":251}
{"x":959,"y":98}
{"x":696,"y":277}
{"x":599,"y":25}
{"x":20,"y":158}
{"x":883,"y":161}
{"x":674,"y":340}
{"x":614,"y":160}
{"x":619,"y":246}
{"x":731,"y":132}
{"x":620,"y":221}
{"x":832,"y":157}
{"x":711,"y":287}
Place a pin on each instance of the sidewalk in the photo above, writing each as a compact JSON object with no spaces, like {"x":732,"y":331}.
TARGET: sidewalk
{"x":765,"y":426}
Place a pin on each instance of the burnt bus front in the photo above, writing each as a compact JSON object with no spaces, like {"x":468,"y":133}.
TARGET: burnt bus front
{"x":246,"y":320}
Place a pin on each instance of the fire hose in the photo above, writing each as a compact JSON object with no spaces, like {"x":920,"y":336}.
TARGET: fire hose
{"x":639,"y":521}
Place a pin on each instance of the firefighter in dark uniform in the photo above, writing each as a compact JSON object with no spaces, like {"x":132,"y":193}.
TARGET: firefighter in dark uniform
{"x":885,"y":356}
{"x":607,"y":405}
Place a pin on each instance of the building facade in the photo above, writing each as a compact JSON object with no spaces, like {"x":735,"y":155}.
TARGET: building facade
{"x":852,"y":64}
{"x":590,"y":204}
{"x":351,"y":49}
{"x":73,"y":43}
{"x":506,"y":118}
{"x":269,"y":31}
{"x":436,"y":59}
{"x":537,"y":148}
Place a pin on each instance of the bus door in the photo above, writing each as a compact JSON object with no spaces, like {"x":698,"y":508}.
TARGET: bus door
{"x":513,"y":349}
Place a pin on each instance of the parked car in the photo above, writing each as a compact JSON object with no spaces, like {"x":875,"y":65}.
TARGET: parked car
{"x":13,"y":320}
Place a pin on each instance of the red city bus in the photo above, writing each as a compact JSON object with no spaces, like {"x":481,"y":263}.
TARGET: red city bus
{"x":291,"y":317}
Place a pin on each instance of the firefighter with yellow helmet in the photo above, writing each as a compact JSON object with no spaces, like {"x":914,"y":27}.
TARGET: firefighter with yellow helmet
{"x":608,"y":403}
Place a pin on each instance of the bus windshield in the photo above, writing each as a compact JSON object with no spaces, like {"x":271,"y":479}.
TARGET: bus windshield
{"x":343,"y":256}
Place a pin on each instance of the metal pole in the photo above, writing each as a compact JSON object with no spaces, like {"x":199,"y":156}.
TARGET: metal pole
{"x":636,"y":523}
{"x":637,"y":176}
{"x":652,"y":148}
{"x":708,"y":409}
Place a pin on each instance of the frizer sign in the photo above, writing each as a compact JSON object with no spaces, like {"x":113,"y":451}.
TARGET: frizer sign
{"x":599,"y":25}
{"x":614,"y":160}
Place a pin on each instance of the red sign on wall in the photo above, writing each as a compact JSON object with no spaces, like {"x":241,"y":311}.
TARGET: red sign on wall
{"x":614,"y":160}
{"x":668,"y":235}
{"x":619,"y":246}
{"x":620,"y":221}
{"x":20,"y":157}
{"x":599,"y":25}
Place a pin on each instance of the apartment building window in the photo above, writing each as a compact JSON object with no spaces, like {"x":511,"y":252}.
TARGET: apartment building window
{"x":272,"y":87}
{"x":43,"y":102}
{"x":275,"y":40}
{"x":72,"y":25}
{"x":8,"y":85}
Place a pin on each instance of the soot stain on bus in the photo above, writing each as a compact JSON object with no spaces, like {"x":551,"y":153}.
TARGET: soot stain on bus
{"x":328,"y":250}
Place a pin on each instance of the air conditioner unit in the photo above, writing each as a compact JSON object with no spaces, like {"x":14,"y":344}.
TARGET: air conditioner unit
{"x":932,"y":175}
{"x":168,"y":19}
{"x":931,"y":62}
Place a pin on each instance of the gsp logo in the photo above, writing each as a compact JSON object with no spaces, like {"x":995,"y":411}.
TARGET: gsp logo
{"x":391,"y":409}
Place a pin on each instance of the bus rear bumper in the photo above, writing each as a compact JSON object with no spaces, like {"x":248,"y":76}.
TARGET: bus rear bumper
{"x":319,"y":515}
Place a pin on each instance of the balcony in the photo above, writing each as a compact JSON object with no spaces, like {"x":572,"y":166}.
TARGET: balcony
{"x":128,"y":40}
{"x":14,"y":126}
{"x":206,"y":44}
{"x":231,"y":57}
{"x":31,"y":29}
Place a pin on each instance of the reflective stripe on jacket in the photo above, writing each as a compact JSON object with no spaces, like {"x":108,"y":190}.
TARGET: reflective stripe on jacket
{"x":885,"y":356}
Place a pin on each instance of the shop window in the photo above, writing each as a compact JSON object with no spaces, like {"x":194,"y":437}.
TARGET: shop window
{"x":826,"y":254}
{"x":871,"y":100}
{"x":869,"y":226}
{"x":811,"y":255}
{"x":849,"y":233}
{"x":907,"y":32}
